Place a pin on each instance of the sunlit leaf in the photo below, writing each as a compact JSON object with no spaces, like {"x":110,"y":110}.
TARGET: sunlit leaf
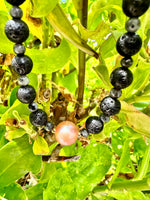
{"x":42,"y":8}
{"x":40,"y":146}
{"x":12,"y":191}
{"x":17,"y":159}
{"x":136,"y":119}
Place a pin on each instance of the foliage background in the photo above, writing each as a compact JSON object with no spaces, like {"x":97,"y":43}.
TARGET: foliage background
{"x":117,"y":158}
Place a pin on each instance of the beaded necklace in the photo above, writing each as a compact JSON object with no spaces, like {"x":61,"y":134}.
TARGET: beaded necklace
{"x":127,"y":45}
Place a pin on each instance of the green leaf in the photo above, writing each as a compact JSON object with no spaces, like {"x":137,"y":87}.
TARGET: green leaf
{"x":40,"y":146}
{"x":6,"y":46}
{"x":18,"y":106}
{"x":42,"y":8}
{"x":47,"y":61}
{"x":60,"y":188}
{"x":137,"y":120}
{"x":17,"y":159}
{"x":3,"y":109}
{"x":89,"y":170}
{"x":12,"y":191}
{"x":98,"y":34}
{"x":102,"y":72}
{"x":35,"y":192}
{"x":3,"y":141}
{"x":13,"y":133}
{"x":60,"y":23}
{"x":141,"y":77}
{"x":47,"y":172}
{"x":71,"y":150}
{"x":13,"y":96}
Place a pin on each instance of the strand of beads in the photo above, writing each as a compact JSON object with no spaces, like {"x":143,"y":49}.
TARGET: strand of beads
{"x":127,"y":45}
{"x":17,"y":31}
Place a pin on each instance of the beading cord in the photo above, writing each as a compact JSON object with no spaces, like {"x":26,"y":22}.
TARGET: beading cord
{"x":127,"y":45}
{"x":17,"y":31}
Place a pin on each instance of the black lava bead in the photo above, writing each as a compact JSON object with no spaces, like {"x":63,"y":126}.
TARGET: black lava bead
{"x":16,"y":12}
{"x":16,"y":30}
{"x":38,"y":118}
{"x":15,"y":2}
{"x":121,"y":78}
{"x":26,"y":94}
{"x":135,"y":8}
{"x":22,"y":64}
{"x":110,"y":106}
{"x":94,"y":125}
{"x":126,"y":62}
{"x":129,"y":44}
{"x":84,"y":133}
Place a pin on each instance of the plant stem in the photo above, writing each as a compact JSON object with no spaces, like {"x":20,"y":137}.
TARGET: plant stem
{"x":82,"y":14}
{"x":145,"y":164}
{"x":121,"y":162}
{"x":143,"y":185}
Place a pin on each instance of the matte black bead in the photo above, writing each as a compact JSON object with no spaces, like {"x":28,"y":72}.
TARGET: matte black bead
{"x":38,"y":118}
{"x":84,"y":133}
{"x":114,"y":93}
{"x":26,"y":94}
{"x":15,"y":2}
{"x":33,"y":106}
{"x":16,"y":30}
{"x":132,"y":25}
{"x":135,"y":8}
{"x":22,"y":64}
{"x":23,"y":80}
{"x":121,"y":78}
{"x":94,"y":125}
{"x":104,"y":118}
{"x":49,"y":126}
{"x":16,"y":12}
{"x":19,"y":49}
{"x":129,"y":44}
{"x":110,"y":106}
{"x":126,"y":62}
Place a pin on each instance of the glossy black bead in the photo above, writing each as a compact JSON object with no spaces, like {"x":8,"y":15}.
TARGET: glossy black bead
{"x":84,"y":133}
{"x":135,"y":8}
{"x":19,"y":49}
{"x":15,"y":2}
{"x":16,"y":12}
{"x":22,"y":64}
{"x":129,"y":44}
{"x":132,"y":25}
{"x":49,"y":126}
{"x":126,"y":62}
{"x":23,"y":80}
{"x":104,"y":118}
{"x":121,"y":78}
{"x":38,"y":118}
{"x":26,"y":94}
{"x":114,"y":93}
{"x":33,"y":106}
{"x":16,"y":30}
{"x":110,"y":106}
{"x":94,"y":125}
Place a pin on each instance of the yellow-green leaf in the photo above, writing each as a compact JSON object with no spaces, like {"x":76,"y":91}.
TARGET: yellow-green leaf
{"x":40,"y":146}
{"x":42,"y":8}
{"x":60,"y":23}
{"x":136,"y":119}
